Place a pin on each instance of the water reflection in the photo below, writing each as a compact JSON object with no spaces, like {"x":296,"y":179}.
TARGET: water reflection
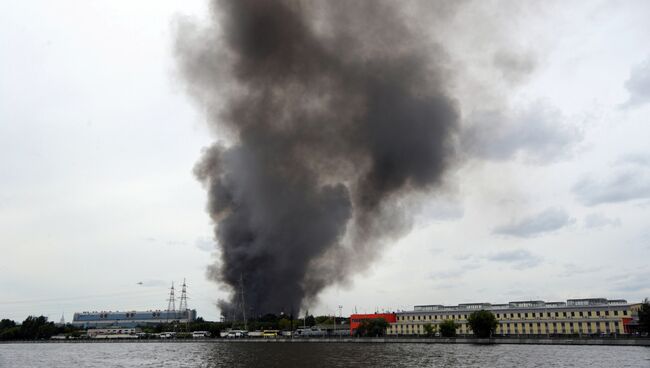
{"x":315,"y":355}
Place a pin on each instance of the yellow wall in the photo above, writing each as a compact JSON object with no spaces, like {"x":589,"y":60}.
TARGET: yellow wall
{"x":587,"y":320}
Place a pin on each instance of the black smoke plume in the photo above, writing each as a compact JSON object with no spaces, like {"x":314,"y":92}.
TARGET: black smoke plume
{"x":329,"y":114}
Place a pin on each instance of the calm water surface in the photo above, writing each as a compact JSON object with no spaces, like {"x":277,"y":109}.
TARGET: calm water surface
{"x":314,"y":355}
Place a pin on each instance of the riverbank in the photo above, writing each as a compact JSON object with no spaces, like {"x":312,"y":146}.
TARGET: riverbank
{"x":350,"y":340}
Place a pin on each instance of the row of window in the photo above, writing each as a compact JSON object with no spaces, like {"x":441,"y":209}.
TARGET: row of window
{"x":587,"y":327}
{"x":597,"y":313}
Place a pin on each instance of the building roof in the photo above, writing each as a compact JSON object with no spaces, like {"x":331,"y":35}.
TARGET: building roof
{"x":527,"y":304}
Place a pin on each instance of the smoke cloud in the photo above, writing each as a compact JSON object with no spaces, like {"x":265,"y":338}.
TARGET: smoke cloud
{"x":330,"y":115}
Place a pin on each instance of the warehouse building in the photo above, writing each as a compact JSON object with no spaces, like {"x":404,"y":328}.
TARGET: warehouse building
{"x":131,"y":319}
{"x":597,"y":316}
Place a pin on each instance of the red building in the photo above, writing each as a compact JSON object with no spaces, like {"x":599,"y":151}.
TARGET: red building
{"x":355,"y":319}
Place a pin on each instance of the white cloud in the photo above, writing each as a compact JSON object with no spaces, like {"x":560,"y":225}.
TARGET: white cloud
{"x":629,"y":180}
{"x":519,"y":258}
{"x":597,"y":220}
{"x":205,"y":244}
{"x":549,"y":220}
{"x":638,"y":85}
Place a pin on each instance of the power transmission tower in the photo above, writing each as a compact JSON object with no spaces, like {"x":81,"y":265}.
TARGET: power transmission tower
{"x":182,"y":307}
{"x":171,"y":302}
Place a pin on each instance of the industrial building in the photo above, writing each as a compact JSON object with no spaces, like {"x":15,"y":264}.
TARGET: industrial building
{"x":595,"y":316}
{"x":131,"y":319}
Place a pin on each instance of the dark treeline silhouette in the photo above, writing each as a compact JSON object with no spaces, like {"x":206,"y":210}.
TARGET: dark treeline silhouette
{"x":34,"y":328}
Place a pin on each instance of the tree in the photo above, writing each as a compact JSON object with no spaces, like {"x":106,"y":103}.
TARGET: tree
{"x":483,"y":323}
{"x":37,"y":328}
{"x":285,"y":324}
{"x":11,"y":333}
{"x":310,"y":321}
{"x":429,"y":329}
{"x":324,"y":320}
{"x":7,"y":323}
{"x":644,"y":317}
{"x":448,"y":328}
{"x":373,"y":327}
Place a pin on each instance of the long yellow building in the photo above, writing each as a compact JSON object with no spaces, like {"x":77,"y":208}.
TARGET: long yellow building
{"x":597,"y":316}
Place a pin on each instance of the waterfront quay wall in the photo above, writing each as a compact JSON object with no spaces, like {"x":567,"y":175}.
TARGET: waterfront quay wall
{"x":476,"y":341}
{"x":368,"y":340}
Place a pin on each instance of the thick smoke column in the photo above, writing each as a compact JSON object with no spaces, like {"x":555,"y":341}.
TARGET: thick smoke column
{"x":333,"y":111}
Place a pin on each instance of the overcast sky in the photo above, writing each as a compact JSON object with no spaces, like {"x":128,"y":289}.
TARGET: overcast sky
{"x":98,"y":140}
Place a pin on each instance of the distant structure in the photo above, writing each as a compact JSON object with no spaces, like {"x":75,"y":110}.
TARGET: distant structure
{"x":61,"y":321}
{"x":595,"y":316}
{"x":131,"y":319}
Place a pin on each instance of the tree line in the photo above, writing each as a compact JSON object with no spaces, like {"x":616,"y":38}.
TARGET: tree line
{"x":34,"y":328}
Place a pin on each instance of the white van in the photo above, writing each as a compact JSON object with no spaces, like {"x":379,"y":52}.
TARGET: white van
{"x":200,"y":334}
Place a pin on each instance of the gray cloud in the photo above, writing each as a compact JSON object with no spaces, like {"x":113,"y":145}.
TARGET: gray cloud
{"x":597,"y":220}
{"x":638,"y":85}
{"x":519,"y":258}
{"x":514,"y":67}
{"x":546,"y":221}
{"x":625,"y":184}
{"x":537,"y":134}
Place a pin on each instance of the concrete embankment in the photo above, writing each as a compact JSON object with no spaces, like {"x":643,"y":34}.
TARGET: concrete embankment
{"x":514,"y":341}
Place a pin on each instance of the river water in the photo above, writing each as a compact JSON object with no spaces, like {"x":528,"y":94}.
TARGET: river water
{"x":313,"y":355}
